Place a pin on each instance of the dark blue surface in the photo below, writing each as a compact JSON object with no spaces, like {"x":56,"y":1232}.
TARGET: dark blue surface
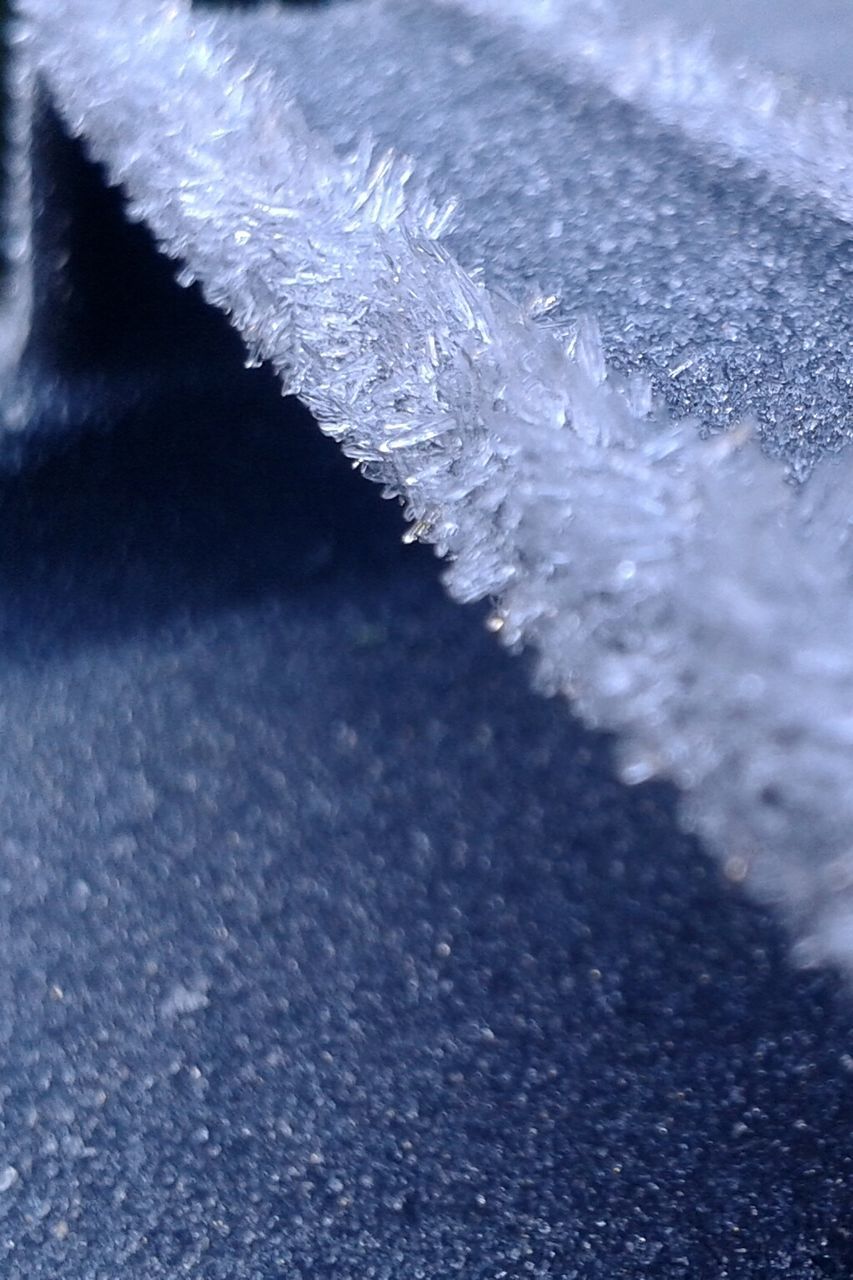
{"x":330,"y":950}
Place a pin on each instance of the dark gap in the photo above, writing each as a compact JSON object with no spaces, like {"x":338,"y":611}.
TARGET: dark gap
{"x":106,"y":301}
{"x":186,"y":506}
{"x":159,"y":476}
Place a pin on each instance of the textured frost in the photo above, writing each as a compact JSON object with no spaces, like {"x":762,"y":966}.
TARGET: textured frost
{"x":728,"y":291}
{"x":675,"y":589}
{"x":16,"y":313}
{"x":768,"y":119}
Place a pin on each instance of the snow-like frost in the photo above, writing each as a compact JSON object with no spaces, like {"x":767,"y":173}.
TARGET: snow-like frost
{"x":800,"y":137}
{"x":675,"y":589}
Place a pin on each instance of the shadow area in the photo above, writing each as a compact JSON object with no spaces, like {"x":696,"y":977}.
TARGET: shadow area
{"x":183,"y":506}
{"x":330,"y":949}
{"x":156,"y":475}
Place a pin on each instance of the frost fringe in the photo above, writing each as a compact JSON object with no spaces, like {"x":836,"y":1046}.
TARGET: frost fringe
{"x":674,"y":589}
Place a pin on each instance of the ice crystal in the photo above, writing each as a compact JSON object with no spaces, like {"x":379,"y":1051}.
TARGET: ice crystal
{"x":672,"y":587}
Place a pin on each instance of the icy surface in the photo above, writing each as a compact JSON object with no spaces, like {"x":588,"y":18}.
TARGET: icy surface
{"x":473,"y":1007}
{"x":665,"y":60}
{"x":732,"y":295}
{"x":670,"y":586}
{"x":809,"y":39}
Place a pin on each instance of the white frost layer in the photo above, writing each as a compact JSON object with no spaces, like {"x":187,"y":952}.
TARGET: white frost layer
{"x":674,"y":589}
{"x":771,"y":121}
{"x":16,"y":312}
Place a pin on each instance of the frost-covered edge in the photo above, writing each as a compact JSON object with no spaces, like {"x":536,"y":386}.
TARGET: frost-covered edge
{"x":16,"y":312}
{"x":670,"y":587}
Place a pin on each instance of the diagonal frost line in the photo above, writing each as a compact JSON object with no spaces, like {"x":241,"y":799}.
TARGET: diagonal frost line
{"x":799,"y":138}
{"x":674,"y":589}
{"x":732,"y":295}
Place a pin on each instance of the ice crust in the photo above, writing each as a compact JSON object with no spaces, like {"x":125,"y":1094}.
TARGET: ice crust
{"x":673,"y":587}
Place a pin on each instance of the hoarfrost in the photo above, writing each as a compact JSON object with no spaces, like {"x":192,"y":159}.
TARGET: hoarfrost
{"x":672,"y":587}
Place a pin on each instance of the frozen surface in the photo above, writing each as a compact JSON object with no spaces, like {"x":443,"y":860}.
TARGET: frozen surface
{"x":331,"y":951}
{"x":809,"y":39}
{"x":732,"y":295}
{"x":674,"y":589}
{"x":464,"y":1004}
{"x":717,"y":91}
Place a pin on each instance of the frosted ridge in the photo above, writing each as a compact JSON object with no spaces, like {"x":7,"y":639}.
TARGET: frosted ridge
{"x":737,"y":109}
{"x":16,"y":312}
{"x":673,"y":588}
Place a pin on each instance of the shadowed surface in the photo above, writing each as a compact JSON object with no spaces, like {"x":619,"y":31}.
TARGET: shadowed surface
{"x":330,"y":949}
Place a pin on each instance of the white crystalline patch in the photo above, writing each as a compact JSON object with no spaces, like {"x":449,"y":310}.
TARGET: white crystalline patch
{"x":8,"y":1177}
{"x":671,"y":587}
{"x":182,"y":1000}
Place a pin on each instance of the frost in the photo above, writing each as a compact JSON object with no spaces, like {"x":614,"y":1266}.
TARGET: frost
{"x":800,"y":136}
{"x":183,"y":999}
{"x":672,"y":587}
